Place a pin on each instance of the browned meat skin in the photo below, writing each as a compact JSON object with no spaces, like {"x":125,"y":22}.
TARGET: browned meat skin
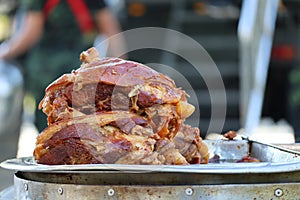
{"x":170,"y":153}
{"x":66,"y":147}
{"x":163,"y":118}
{"x":84,"y":144}
{"x":111,"y":71}
{"x":90,"y":88}
{"x":98,"y":120}
{"x":89,"y":136}
{"x":230,"y":135}
{"x":60,"y":106}
{"x":112,"y":138}
{"x":190,"y":145}
{"x":127,"y":124}
{"x":81,"y":144}
{"x":248,"y":159}
{"x":93,"y":98}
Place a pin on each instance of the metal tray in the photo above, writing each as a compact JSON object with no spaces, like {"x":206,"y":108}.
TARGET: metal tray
{"x":273,"y":159}
{"x":276,"y":176}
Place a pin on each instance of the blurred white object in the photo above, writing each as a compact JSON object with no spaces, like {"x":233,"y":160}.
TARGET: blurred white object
{"x":115,"y":5}
{"x":255,"y":31}
{"x":276,"y":133}
{"x":27,"y":139}
{"x":101,"y":44}
{"x":11,"y":96}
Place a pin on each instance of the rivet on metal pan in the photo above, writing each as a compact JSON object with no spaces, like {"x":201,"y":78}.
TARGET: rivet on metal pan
{"x":189,"y":191}
{"x":26,"y":187}
{"x":60,"y":191}
{"x":110,"y":192}
{"x":278,"y":192}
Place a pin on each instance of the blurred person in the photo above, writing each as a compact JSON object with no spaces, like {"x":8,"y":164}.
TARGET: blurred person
{"x":53,"y":34}
{"x":11,"y":94}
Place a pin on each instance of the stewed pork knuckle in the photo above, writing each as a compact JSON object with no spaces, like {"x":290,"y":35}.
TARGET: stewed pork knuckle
{"x":112,"y":110}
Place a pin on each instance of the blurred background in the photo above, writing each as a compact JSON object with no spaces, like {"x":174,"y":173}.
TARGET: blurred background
{"x":255,"y":45}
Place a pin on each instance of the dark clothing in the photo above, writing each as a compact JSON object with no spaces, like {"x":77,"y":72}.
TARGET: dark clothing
{"x":58,"y":50}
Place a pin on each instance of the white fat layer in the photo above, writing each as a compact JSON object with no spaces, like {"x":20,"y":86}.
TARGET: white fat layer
{"x":108,"y":64}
